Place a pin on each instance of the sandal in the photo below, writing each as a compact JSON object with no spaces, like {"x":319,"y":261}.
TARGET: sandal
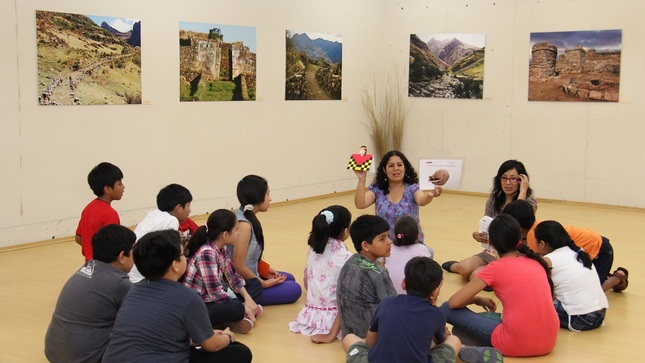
{"x":623,"y":279}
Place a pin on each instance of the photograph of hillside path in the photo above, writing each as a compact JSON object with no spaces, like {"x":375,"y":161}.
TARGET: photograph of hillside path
{"x":216,"y":62}
{"x":447,"y":65}
{"x":575,"y":66}
{"x":314,"y":66}
{"x":86,"y":60}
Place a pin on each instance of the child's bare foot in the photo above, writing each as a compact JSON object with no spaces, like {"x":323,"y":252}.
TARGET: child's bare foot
{"x":322,"y":338}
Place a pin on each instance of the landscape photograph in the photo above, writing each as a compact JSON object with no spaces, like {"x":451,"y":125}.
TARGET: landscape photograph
{"x":216,"y":62}
{"x":447,"y":65}
{"x":88,"y":60}
{"x":314,"y":66}
{"x":575,"y":66}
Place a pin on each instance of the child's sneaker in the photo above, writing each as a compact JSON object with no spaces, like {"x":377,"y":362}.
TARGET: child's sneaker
{"x":469,"y":354}
{"x":242,"y":326}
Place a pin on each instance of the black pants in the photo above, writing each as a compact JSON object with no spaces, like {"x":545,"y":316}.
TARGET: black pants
{"x":225,"y":311}
{"x":234,"y":353}
{"x":604,"y":260}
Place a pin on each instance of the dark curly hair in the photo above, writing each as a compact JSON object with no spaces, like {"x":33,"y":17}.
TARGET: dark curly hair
{"x":380,"y":180}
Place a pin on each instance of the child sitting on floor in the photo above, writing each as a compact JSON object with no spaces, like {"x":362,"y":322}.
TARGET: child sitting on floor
{"x":210,"y":271}
{"x":579,"y":300}
{"x":405,"y":327}
{"x":405,"y":246}
{"x":327,"y":255}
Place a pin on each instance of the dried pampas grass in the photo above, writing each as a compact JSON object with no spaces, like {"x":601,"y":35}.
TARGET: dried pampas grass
{"x":386,"y":114}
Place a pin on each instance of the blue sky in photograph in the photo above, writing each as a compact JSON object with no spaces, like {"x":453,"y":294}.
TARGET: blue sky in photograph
{"x":232,"y":33}
{"x":123,"y":25}
{"x":600,"y":40}
{"x":476,"y":39}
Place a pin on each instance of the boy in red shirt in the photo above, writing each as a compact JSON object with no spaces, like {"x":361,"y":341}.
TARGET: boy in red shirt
{"x":106,"y":181}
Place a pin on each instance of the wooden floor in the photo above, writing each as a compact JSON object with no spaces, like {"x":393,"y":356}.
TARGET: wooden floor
{"x":34,"y":276}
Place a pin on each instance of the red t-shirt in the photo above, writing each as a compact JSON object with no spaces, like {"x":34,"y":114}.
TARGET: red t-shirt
{"x":97,"y":213}
{"x":187,"y":228}
{"x":529,"y":322}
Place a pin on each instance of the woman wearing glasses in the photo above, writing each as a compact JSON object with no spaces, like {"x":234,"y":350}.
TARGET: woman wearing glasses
{"x":510,"y":183}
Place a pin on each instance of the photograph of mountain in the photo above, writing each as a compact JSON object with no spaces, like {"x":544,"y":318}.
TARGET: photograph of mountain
{"x":575,"y":66}
{"x":314,"y":66}
{"x":88,"y":60}
{"x":447,"y":65}
{"x":216,"y":62}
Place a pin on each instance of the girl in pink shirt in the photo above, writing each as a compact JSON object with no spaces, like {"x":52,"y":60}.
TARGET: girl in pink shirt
{"x":521,"y":280}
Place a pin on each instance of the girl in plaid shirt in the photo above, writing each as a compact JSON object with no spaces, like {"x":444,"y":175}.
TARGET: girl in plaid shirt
{"x":210,"y":271}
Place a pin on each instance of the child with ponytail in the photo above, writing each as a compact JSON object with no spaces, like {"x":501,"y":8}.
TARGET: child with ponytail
{"x":521,"y":280}
{"x":210,"y":272}
{"x":265,"y":285}
{"x":579,"y":299}
{"x":405,"y":246}
{"x":327,"y":255}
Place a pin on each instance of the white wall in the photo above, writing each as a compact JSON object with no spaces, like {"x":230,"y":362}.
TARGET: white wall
{"x":574,"y":151}
{"x":586,"y":152}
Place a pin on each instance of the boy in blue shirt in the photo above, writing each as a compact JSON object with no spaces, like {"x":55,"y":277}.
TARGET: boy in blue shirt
{"x":404,"y":327}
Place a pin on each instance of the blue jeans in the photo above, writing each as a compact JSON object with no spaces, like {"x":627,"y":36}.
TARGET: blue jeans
{"x":579,"y":322}
{"x":479,"y":327}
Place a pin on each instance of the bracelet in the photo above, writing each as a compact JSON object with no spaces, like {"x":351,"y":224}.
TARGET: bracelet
{"x":230,"y":338}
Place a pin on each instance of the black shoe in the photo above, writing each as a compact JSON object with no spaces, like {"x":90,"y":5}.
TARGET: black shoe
{"x":446,"y":265}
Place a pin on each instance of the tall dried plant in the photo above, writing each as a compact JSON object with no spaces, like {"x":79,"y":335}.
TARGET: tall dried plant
{"x":386,"y":114}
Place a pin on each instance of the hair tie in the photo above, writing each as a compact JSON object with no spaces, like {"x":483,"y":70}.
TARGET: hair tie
{"x":518,"y":244}
{"x":400,"y":235}
{"x":206,"y":226}
{"x":248,"y":207}
{"x":329,"y":216}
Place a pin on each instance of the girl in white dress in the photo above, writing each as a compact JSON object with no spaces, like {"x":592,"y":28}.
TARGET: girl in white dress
{"x":327,"y":255}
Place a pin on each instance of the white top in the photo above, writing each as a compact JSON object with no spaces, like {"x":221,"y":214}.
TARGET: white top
{"x":155,"y":220}
{"x":576,"y":286}
{"x":399,"y":256}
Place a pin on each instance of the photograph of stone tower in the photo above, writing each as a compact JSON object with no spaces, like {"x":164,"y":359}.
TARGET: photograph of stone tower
{"x":578,"y":66}
{"x":314,"y":66}
{"x":216,"y":62}
{"x":447,"y":65}
{"x":87,"y":59}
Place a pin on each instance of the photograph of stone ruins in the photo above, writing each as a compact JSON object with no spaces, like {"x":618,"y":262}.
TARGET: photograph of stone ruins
{"x":88,"y":60}
{"x":575,"y":66}
{"x":216,"y":62}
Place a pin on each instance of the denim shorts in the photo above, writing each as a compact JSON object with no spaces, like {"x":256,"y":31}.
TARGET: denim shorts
{"x":582,"y":322}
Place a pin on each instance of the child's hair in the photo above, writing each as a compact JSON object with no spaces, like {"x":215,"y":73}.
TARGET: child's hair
{"x":171,"y":195}
{"x":155,"y":252}
{"x":251,"y":190}
{"x":330,"y":222}
{"x":109,"y":241}
{"x":103,"y":175}
{"x":553,"y":234}
{"x":499,"y":197}
{"x":505,"y":235}
{"x":406,"y":231}
{"x":380,"y":180}
{"x":221,"y":220}
{"x":422,"y":276}
{"x":366,"y":228}
{"x":523,"y":213}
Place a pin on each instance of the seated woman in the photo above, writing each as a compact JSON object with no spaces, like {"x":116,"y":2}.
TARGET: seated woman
{"x":265,"y":285}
